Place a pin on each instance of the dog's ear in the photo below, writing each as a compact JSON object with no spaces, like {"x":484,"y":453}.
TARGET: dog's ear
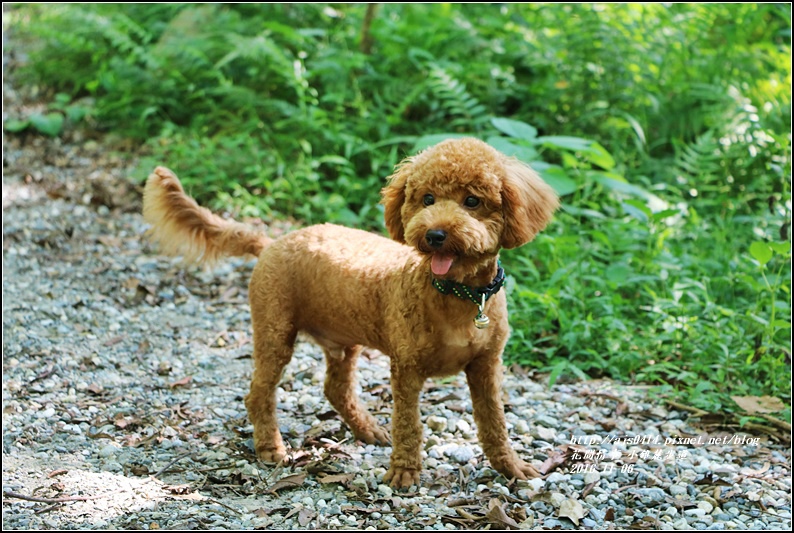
{"x":528,"y":204}
{"x":393,"y":198}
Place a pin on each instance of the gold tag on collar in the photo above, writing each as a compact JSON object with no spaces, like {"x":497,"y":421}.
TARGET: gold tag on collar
{"x":481,"y":321}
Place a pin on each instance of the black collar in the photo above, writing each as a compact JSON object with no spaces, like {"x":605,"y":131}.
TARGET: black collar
{"x":474,"y":294}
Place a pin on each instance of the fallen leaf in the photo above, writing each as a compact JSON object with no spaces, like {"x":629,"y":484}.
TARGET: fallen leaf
{"x":229,"y":293}
{"x":344,"y":479}
{"x":302,"y":458}
{"x":467,"y":515}
{"x":709,"y":479}
{"x":95,"y":388}
{"x":181,"y":382}
{"x":457,"y":502}
{"x":647,"y":522}
{"x":99,"y":435}
{"x":759,"y":404}
{"x":553,"y":461}
{"x":58,"y":472}
{"x":460,"y":522}
{"x":131,"y":283}
{"x":356,"y":509}
{"x":571,"y":509}
{"x":456,"y":407}
{"x":114,"y":340}
{"x":589,"y":487}
{"x":44,"y":374}
{"x":321,"y":466}
{"x":529,"y":523}
{"x":609,"y":515}
{"x":498,"y":517}
{"x":752,"y":472}
{"x":109,"y":241}
{"x":295,"y":510}
{"x":127,"y":422}
{"x":190,"y":496}
{"x":178,"y":489}
{"x":448,"y":397}
{"x":139,"y":470}
{"x":519,"y":514}
{"x":559,"y":457}
{"x":608,"y":424}
{"x":143,"y":347}
{"x":288,"y":482}
{"x":305,"y":516}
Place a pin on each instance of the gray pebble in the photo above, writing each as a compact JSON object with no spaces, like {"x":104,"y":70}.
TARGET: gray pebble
{"x":547,"y":421}
{"x":108,"y":451}
{"x":112,"y":466}
{"x":677,"y":490}
{"x":436,"y":424}
{"x":541,"y":507}
{"x":461,"y":454}
{"x":652,"y":494}
{"x":556,"y":477}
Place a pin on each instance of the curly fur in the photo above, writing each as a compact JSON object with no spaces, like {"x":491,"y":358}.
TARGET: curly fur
{"x":349,"y":289}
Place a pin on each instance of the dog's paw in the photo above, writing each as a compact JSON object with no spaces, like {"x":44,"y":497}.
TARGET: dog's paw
{"x":271,"y":454}
{"x":517,"y":469}
{"x":401,"y":478}
{"x":374,"y":435}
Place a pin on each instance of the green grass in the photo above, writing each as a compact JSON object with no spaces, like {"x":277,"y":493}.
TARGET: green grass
{"x":627,"y":300}
{"x":669,"y":263}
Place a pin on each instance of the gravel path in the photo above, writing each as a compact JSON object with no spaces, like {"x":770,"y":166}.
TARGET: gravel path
{"x":124,"y":374}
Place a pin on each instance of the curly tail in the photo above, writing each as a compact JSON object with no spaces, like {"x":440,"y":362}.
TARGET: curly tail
{"x":182,"y":227}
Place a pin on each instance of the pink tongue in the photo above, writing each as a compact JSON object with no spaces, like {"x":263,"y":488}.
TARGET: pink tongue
{"x":440,"y":264}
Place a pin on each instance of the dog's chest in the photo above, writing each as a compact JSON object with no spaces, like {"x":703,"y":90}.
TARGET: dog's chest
{"x":455,"y":348}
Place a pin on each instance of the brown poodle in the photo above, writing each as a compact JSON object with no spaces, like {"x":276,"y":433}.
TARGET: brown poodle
{"x":429,"y":298}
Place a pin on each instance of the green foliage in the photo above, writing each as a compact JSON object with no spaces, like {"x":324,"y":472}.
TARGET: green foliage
{"x":61,"y":111}
{"x":669,"y":262}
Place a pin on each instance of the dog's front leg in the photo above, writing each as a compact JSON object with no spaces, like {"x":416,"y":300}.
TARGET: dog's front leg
{"x":484,"y":375}
{"x":406,"y":458}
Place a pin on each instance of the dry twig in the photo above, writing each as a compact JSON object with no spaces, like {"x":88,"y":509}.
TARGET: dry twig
{"x":11,"y":494}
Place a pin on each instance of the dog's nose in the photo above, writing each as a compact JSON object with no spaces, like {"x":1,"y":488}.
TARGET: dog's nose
{"x":435,"y":237}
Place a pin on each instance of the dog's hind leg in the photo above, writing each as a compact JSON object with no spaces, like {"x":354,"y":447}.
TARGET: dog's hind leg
{"x":273,"y":346}
{"x":340,"y":383}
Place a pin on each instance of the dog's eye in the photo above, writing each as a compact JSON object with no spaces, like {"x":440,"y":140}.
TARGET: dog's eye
{"x":471,"y":202}
{"x":428,"y":200}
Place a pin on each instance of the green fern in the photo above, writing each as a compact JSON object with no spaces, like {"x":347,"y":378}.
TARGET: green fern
{"x":257,"y":48}
{"x":699,"y":158}
{"x":464,"y":112}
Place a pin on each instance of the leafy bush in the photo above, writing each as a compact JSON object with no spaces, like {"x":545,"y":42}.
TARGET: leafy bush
{"x":670,"y":260}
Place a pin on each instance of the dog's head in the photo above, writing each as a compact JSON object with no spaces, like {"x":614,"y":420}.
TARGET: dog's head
{"x":460,"y":201}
